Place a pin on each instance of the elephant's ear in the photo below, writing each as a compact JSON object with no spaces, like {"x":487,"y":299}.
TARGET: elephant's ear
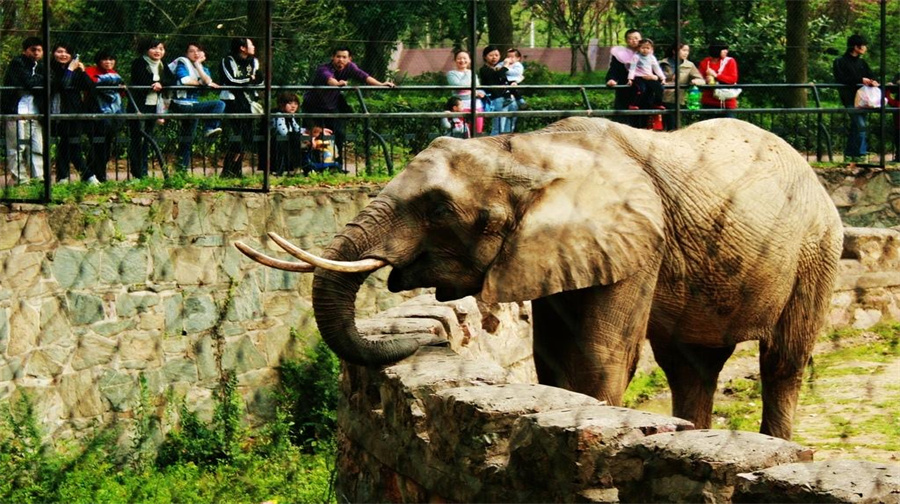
{"x":594,"y":218}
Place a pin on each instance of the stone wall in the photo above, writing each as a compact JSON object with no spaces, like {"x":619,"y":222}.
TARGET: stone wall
{"x":466,"y":421}
{"x":868,"y":199}
{"x":94,"y":295}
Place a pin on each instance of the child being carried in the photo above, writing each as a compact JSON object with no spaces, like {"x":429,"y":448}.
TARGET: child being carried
{"x":646,"y":75}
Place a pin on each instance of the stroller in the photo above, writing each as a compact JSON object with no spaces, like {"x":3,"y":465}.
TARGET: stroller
{"x":318,"y":152}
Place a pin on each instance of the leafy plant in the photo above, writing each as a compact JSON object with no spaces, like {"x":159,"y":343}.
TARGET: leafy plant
{"x":308,"y":394}
{"x":194,"y":441}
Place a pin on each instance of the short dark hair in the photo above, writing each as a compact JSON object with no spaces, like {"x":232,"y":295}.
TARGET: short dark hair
{"x":31,"y":42}
{"x":645,"y":41}
{"x":856,"y":40}
{"x":104,"y":54}
{"x":340,"y":48}
{"x":65,"y":45}
{"x":514,"y":50}
{"x":716,"y":48}
{"x":489,"y":49}
{"x":672,"y":49}
{"x":146,"y":44}
{"x":452,"y":102}
{"x":630,"y":31}
{"x":195,"y":44}
{"x":236,"y":44}
{"x":286,"y":97}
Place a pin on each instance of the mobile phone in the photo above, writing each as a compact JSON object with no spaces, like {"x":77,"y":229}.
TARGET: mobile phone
{"x":77,"y":57}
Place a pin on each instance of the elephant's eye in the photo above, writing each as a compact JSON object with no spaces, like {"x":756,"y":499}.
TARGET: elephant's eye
{"x":440,"y":213}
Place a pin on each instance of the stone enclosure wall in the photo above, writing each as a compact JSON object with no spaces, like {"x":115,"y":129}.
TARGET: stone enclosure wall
{"x":95,"y":295}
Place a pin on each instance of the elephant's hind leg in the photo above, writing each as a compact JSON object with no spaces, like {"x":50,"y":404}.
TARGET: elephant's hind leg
{"x":693,"y":373}
{"x":783,"y":360}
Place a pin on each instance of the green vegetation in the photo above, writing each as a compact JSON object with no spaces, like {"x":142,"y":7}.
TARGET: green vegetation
{"x":77,"y":192}
{"x":198,"y":461}
{"x":743,"y":409}
{"x":644,"y":386}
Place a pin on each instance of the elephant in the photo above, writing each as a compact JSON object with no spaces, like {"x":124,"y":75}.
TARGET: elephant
{"x":697,"y":239}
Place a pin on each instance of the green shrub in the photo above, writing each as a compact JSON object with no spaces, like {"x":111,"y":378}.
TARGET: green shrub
{"x":308,"y":395}
{"x":217,"y":461}
{"x":192,"y":441}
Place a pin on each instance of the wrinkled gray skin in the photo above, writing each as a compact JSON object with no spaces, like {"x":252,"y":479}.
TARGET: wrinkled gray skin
{"x":697,"y":239}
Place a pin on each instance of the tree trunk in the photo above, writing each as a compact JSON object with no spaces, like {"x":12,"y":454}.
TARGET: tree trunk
{"x":500,"y":25}
{"x":573,"y":67}
{"x":797,"y":53}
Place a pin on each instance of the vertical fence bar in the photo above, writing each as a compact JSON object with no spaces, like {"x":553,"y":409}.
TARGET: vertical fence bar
{"x":45,"y":117}
{"x":677,"y":69}
{"x":473,"y":29}
{"x":883,"y":40}
{"x":267,"y":99}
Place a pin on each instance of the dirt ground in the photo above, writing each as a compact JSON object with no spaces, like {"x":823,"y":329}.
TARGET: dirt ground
{"x":849,"y":409}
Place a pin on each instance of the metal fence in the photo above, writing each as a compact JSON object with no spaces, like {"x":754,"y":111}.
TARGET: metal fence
{"x":384,"y":127}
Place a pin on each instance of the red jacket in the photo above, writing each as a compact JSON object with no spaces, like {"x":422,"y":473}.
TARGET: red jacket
{"x":728,"y":75}
{"x":893,"y":102}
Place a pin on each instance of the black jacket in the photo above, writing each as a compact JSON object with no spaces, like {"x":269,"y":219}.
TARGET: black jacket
{"x":71,"y":89}
{"x":143,"y":77}
{"x":25,"y":74}
{"x":849,"y":70}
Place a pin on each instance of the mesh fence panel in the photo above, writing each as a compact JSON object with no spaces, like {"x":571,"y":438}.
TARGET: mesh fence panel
{"x":778,"y":52}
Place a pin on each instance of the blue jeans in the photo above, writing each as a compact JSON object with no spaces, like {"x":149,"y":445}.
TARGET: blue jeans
{"x":500,"y":125}
{"x":856,"y":138}
{"x":189,"y":126}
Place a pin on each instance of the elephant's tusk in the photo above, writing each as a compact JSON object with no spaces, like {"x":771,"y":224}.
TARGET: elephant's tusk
{"x":361,"y":266}
{"x":299,"y":267}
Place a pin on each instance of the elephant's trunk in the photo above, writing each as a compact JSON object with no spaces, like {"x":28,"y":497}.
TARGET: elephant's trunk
{"x":334,"y":297}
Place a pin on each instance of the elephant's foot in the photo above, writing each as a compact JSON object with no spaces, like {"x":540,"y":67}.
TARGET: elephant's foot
{"x":779,"y":396}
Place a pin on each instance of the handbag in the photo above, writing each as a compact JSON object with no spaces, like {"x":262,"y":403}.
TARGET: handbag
{"x":868,"y":97}
{"x":723,"y":94}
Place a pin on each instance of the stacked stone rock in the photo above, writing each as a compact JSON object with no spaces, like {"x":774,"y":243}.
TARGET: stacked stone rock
{"x":440,"y":427}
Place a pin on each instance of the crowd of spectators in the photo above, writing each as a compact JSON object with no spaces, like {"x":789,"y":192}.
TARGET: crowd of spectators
{"x":184,"y":85}
{"x":156,"y":87}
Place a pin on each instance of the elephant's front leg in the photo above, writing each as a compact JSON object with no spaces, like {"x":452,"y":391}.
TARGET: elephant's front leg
{"x":589,"y":340}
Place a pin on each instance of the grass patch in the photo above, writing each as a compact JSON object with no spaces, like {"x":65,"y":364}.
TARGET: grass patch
{"x":76,"y":191}
{"x":644,"y":386}
{"x":739,"y":407}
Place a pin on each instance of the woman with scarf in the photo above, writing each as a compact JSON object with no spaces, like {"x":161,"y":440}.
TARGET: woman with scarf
{"x":68,"y":83}
{"x":149,"y":75}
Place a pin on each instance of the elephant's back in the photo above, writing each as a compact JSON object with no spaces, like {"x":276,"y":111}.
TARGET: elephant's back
{"x":745,"y":212}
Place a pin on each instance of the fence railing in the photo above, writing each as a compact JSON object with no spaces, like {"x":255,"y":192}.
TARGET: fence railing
{"x":381,"y":137}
